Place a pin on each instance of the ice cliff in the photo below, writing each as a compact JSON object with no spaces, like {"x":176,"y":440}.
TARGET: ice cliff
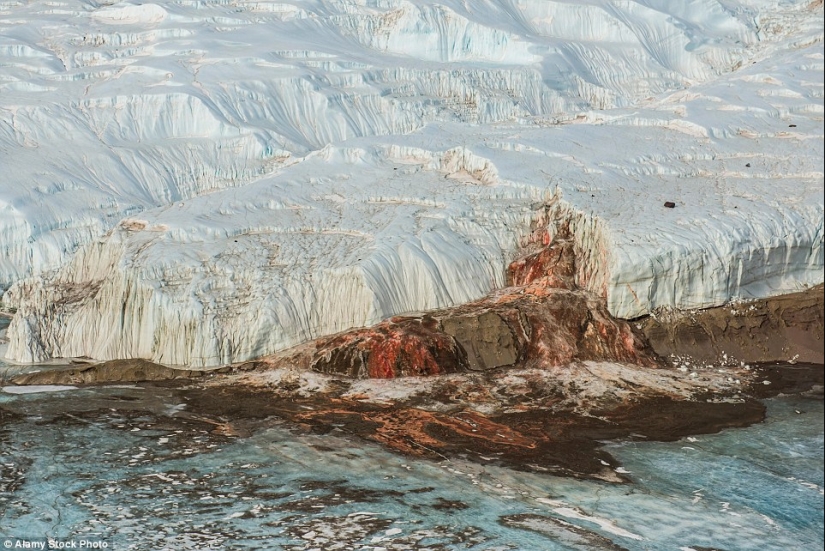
{"x":206,"y":182}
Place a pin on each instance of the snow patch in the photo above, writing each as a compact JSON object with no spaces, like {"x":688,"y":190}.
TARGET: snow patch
{"x":142,"y":14}
{"x":33,"y":389}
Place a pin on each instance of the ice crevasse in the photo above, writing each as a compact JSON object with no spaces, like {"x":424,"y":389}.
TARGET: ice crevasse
{"x":224,"y":196}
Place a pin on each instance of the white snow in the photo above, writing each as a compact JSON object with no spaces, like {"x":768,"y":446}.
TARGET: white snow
{"x":604,"y":524}
{"x":33,"y":389}
{"x":207,"y":182}
{"x":143,"y":14}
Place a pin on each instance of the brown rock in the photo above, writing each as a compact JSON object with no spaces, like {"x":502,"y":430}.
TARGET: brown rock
{"x":555,"y":264}
{"x":487,"y":339}
{"x":778,"y":329}
{"x":533,"y":326}
{"x":115,"y":371}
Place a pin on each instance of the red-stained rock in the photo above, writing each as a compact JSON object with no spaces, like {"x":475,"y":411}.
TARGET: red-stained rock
{"x":395,"y":348}
{"x":556,"y":327}
{"x":542,"y":320}
{"x":554,"y":264}
{"x":514,"y":327}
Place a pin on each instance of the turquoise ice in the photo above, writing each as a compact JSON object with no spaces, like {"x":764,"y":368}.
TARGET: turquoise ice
{"x":130,"y":466}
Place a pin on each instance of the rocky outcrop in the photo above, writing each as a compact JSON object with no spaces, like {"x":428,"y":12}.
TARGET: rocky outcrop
{"x":115,"y":371}
{"x":779,"y":329}
{"x":395,"y":348}
{"x":541,"y":320}
{"x":554,"y":264}
{"x":487,"y":339}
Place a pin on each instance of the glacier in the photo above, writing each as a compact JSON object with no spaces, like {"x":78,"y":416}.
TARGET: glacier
{"x":200,"y":183}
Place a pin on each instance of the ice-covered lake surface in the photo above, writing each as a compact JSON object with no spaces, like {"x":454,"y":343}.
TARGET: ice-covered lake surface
{"x":131,"y":466}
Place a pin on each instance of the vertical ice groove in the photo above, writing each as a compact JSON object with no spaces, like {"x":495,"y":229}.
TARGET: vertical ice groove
{"x":213,"y":306}
{"x":164,"y":103}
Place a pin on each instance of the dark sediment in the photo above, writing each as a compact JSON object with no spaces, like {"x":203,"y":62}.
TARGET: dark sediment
{"x":562,"y":445}
{"x":537,"y":438}
{"x":570,"y":535}
{"x":800,"y":378}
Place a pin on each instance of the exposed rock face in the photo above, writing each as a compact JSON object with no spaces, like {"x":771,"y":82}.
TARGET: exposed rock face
{"x":554,"y":264}
{"x":487,"y":339}
{"x":548,"y":327}
{"x":115,"y":371}
{"x":784,"y":328}
{"x":394,"y":348}
{"x":541,"y":321}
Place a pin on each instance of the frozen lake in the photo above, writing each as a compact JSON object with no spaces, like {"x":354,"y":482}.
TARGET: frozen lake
{"x":130,"y":467}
